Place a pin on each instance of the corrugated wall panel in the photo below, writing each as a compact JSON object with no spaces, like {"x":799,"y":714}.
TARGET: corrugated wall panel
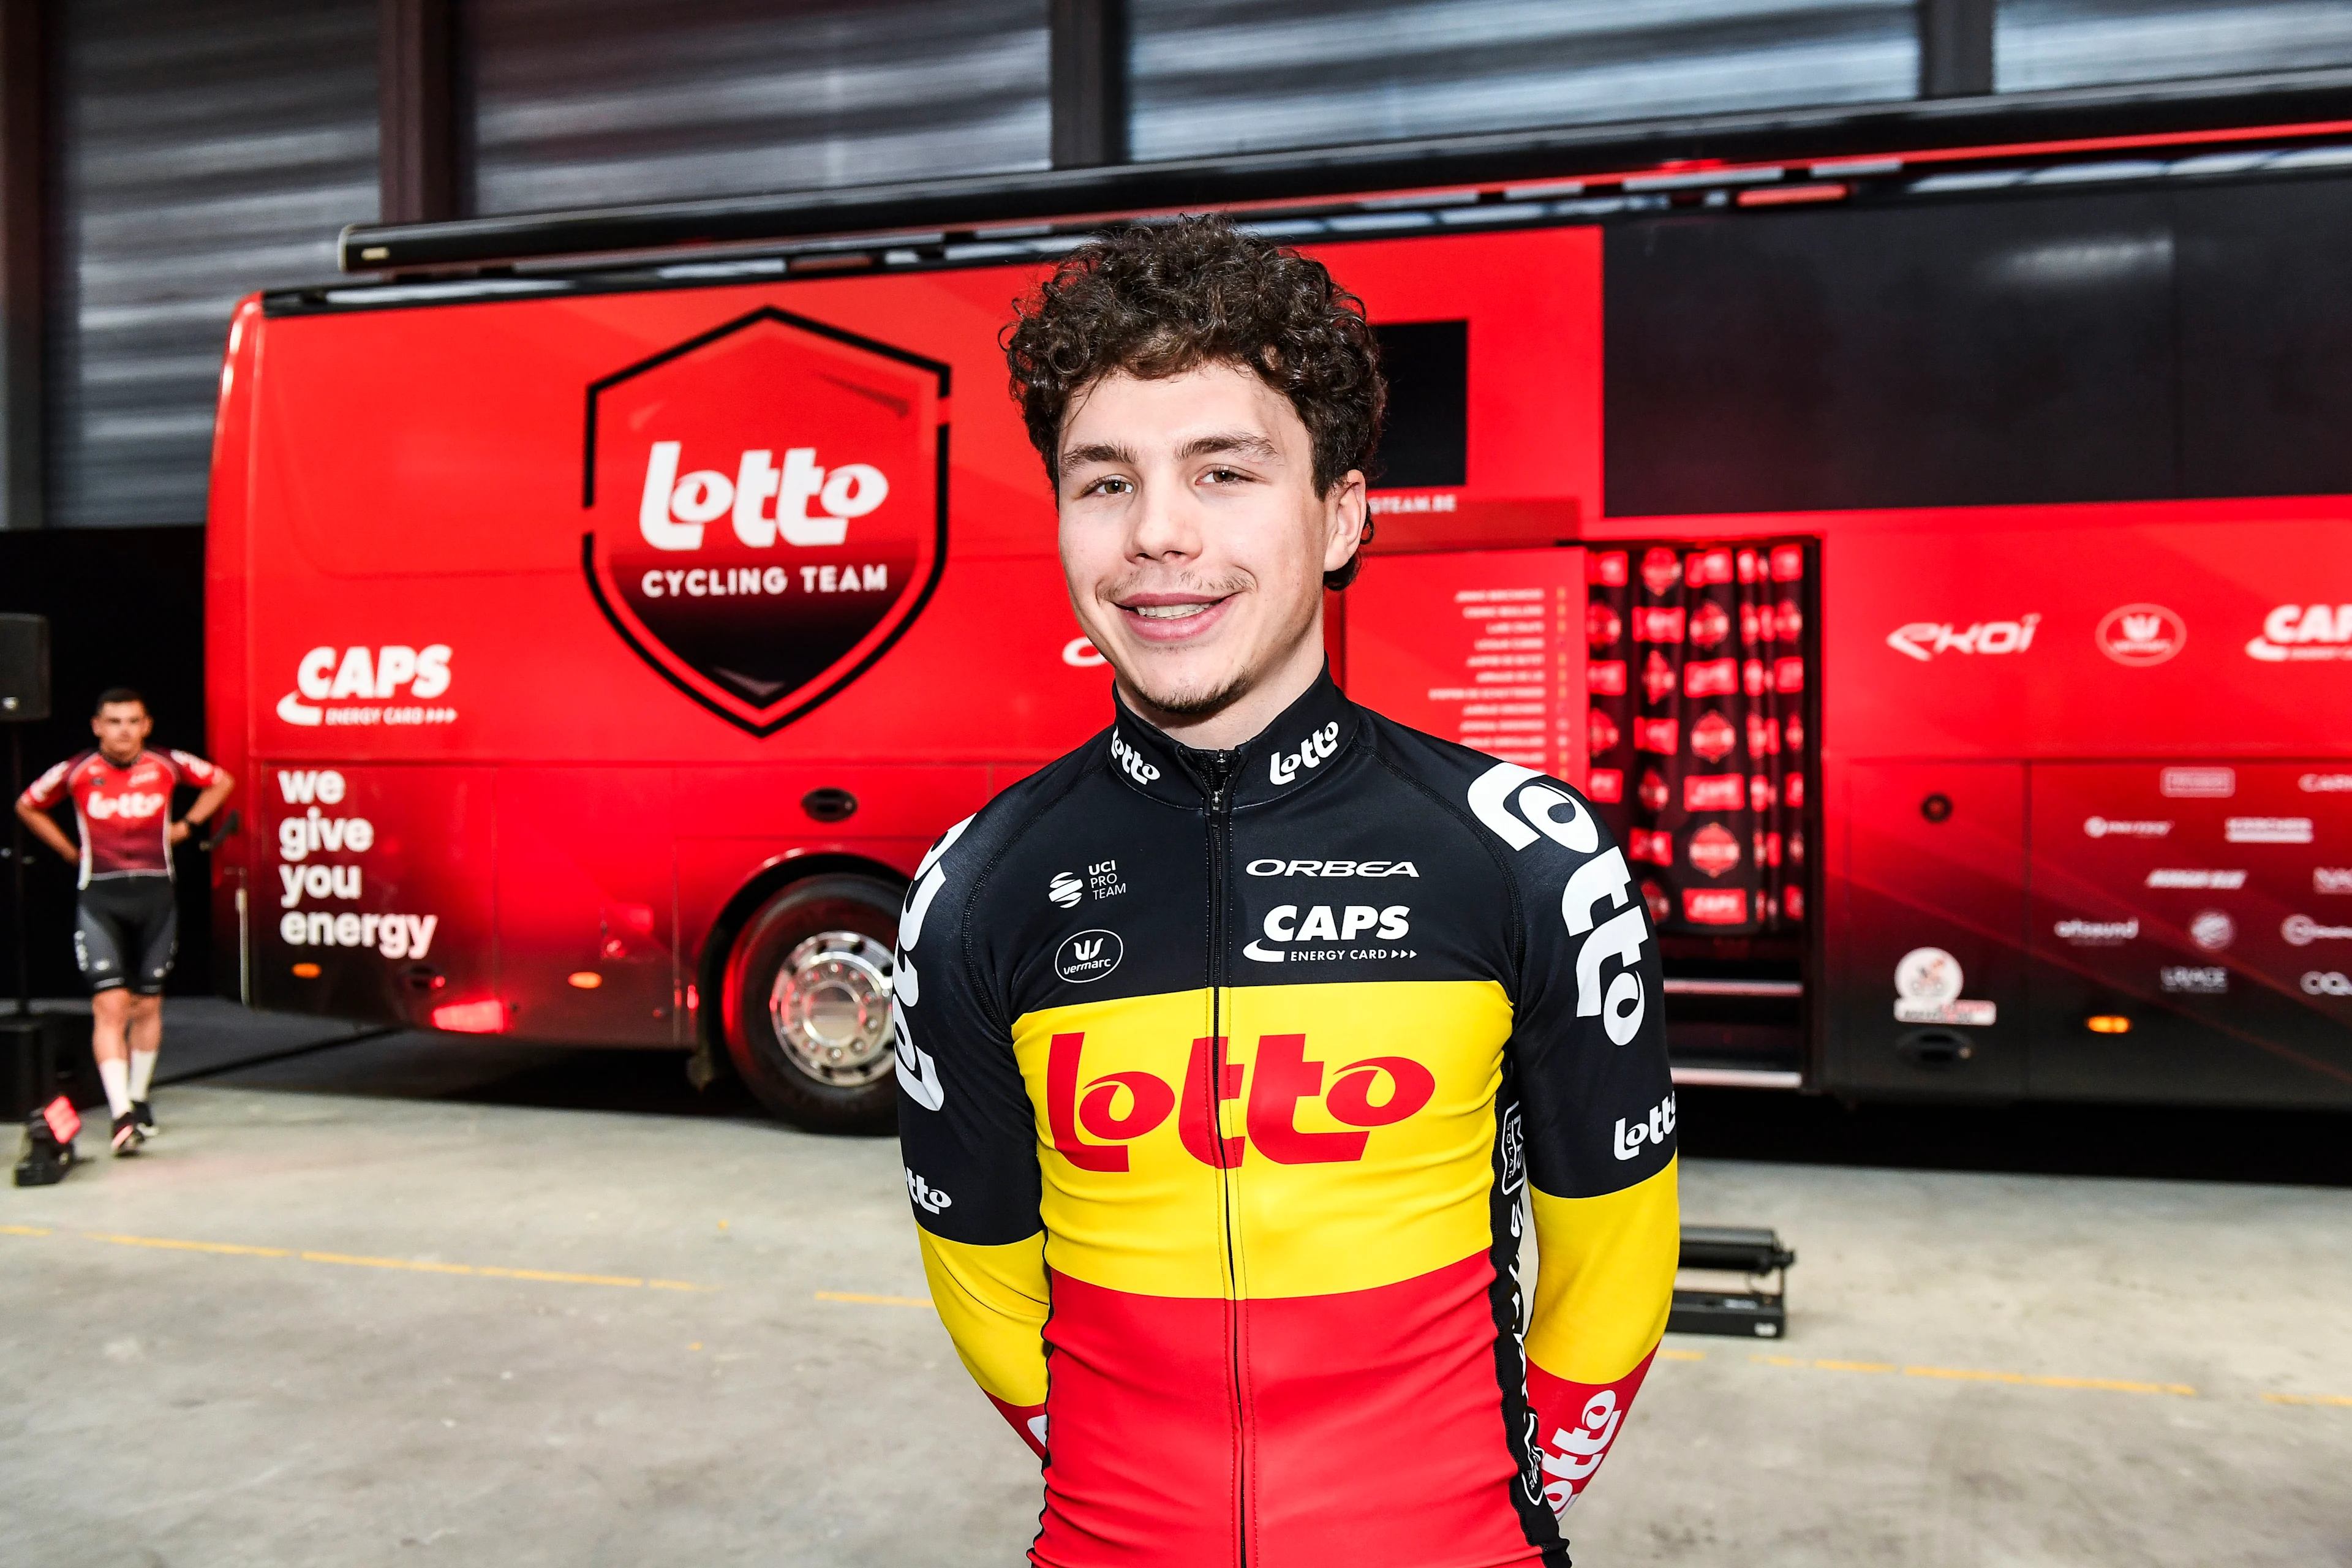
{"x":2079,"y":43}
{"x":587,"y":102}
{"x":204,"y":149}
{"x":1228,"y":76}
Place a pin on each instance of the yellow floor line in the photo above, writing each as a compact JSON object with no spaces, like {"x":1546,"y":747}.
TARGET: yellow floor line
{"x":230,"y":1247}
{"x":351,"y":1261}
{"x":1682,"y":1356}
{"x":2344,"y":1399}
{"x":1966,"y":1374}
{"x":872,"y":1301}
{"x":2109,"y":1384}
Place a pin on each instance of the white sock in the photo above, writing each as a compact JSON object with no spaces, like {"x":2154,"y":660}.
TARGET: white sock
{"x":142,"y":1073}
{"x":116,"y":1076}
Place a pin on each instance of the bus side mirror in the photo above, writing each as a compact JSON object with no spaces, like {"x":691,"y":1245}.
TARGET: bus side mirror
{"x":227,"y":826}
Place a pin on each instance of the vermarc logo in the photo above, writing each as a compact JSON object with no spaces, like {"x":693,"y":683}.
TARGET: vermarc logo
{"x":1089,"y":956}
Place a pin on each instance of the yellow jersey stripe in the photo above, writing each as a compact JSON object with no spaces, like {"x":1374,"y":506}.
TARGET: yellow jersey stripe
{"x":1604,"y":1278}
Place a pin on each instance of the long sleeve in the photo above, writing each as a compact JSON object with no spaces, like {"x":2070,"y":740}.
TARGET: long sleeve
{"x":1597,"y":1097}
{"x":968,"y":1136}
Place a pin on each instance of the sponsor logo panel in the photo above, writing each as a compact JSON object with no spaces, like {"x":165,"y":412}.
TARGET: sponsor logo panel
{"x":2301,"y":930}
{"x":2114,"y":828}
{"x":2267,"y":830}
{"x":2188,"y":980}
{"x":2212,"y":930}
{"x":2299,"y":633}
{"x":2141,"y":634}
{"x":357,"y":685}
{"x":2195,"y":876}
{"x":2197,"y":784}
{"x":1923,"y":640}
{"x":1927,"y":983}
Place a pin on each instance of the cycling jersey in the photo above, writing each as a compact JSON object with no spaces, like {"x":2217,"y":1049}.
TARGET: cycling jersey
{"x":1228,"y":1081}
{"x":124,"y":809}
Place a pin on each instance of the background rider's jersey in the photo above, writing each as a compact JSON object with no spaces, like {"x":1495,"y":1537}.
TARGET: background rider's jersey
{"x":124,"y":809}
{"x":1228,"y":1084}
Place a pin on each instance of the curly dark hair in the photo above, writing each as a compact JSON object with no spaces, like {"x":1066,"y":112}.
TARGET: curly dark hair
{"x":1161,"y":298}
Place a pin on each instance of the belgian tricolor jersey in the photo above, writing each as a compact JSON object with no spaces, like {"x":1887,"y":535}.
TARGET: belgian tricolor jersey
{"x":1229,"y":1084}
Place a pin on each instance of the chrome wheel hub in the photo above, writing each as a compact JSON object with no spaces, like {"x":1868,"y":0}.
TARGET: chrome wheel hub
{"x":831,"y":1009}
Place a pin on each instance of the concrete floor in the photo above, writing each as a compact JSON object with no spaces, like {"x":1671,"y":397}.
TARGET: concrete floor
{"x":346,"y":1312}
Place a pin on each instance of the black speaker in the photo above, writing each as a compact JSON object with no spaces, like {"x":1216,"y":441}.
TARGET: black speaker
{"x":24,"y":669}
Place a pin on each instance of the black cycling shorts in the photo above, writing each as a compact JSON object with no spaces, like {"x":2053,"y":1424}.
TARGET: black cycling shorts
{"x":126,"y":930}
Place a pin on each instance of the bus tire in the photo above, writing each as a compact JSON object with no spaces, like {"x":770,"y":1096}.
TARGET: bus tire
{"x":806,"y":1004}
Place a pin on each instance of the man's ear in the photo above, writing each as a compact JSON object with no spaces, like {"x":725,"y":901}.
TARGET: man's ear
{"x":1344,"y":519}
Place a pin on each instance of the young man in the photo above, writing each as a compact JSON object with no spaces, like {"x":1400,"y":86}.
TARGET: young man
{"x":1222,"y":1166}
{"x":126,"y":924}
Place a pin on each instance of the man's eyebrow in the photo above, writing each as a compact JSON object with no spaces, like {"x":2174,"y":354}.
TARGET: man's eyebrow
{"x":1243,"y":443}
{"x":1098,"y":452}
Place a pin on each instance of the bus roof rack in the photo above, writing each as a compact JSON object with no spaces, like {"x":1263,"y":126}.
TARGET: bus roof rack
{"x":2006,"y":126}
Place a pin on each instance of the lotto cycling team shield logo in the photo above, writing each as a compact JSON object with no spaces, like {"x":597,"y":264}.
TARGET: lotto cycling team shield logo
{"x":767,"y":510}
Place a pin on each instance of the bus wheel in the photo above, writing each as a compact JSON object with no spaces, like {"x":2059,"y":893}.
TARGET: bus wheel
{"x":807,"y":1003}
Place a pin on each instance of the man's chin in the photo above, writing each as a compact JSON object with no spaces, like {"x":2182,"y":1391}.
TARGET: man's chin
{"x":1167,"y":695}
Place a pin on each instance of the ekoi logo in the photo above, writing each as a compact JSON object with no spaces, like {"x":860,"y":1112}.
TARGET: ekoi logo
{"x":1094,"y":1122}
{"x":1923,"y":640}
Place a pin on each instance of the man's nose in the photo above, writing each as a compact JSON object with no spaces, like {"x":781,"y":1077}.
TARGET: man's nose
{"x":1163,"y":525}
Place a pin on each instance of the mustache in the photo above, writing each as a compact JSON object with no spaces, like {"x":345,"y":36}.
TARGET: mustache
{"x":1129,"y":583}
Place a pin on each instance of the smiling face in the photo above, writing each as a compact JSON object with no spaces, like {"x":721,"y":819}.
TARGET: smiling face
{"x":1195,"y":544}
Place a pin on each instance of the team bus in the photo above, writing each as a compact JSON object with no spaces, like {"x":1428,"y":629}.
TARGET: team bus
{"x":1936,"y":564}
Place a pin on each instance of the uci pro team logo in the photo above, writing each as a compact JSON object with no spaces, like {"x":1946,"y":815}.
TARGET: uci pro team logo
{"x":766,"y":509}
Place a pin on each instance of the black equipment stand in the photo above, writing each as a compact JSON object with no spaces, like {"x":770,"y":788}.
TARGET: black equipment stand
{"x":1732,"y":1249}
{"x":47,"y":1155}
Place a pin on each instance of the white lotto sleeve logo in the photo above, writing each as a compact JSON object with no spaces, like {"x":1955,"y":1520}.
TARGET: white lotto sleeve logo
{"x":764,"y":500}
{"x":1601,"y":881}
{"x":1571,"y":1458}
{"x":918,"y":1073}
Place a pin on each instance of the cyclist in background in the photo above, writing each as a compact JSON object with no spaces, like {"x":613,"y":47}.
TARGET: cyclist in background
{"x":126,"y":922}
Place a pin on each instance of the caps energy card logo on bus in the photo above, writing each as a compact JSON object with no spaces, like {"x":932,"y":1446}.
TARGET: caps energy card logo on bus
{"x":767,"y":510}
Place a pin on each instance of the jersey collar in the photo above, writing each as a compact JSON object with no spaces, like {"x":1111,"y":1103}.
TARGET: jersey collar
{"x":1285,"y":757}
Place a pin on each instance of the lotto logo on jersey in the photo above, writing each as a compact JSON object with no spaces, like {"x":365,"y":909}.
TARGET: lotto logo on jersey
{"x":766,"y":509}
{"x":1094,"y":1119}
{"x":131,"y":806}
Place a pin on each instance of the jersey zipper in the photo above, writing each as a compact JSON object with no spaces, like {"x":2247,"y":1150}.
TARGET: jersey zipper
{"x":1220,"y":767}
